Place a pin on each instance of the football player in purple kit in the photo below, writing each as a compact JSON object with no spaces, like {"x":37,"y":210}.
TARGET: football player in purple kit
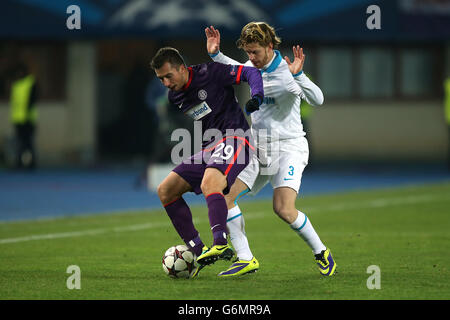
{"x":205,"y":93}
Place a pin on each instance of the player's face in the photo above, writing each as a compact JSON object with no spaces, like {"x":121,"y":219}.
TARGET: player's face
{"x":172,"y":77}
{"x":259,"y":55}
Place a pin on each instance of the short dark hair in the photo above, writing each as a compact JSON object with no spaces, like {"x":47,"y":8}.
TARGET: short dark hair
{"x":167,"y":54}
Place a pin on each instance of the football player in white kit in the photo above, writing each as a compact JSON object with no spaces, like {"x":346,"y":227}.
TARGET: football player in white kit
{"x":281,"y":143}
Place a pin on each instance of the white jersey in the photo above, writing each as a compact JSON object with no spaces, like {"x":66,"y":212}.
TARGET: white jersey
{"x":279,"y":113}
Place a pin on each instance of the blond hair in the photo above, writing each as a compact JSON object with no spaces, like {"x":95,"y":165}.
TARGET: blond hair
{"x":259,"y":32}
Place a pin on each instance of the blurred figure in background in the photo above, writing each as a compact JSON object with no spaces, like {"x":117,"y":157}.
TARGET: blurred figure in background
{"x":447,"y":115}
{"x":158,"y":103}
{"x":23,"y":115}
{"x":137,"y":134}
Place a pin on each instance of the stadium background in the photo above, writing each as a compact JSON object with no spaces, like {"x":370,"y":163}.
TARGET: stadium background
{"x":382,"y":123}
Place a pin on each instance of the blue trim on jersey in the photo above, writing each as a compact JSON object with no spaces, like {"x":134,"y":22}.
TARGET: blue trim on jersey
{"x":297,"y":74}
{"x":240,"y":195}
{"x":275,"y":63}
{"x":212,"y":55}
{"x":306,"y":219}
{"x":238,"y":215}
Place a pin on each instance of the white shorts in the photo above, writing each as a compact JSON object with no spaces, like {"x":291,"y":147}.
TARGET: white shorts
{"x":282,"y":165}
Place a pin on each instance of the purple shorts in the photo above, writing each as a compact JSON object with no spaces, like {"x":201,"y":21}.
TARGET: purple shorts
{"x":230,"y":156}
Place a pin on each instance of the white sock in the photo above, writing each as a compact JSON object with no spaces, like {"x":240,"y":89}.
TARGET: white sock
{"x":236,"y":228}
{"x":303,"y":227}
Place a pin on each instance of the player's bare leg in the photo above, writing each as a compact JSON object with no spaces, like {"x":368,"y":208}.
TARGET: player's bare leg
{"x":172,"y":188}
{"x":284,"y":206}
{"x":213,"y":181}
{"x":232,"y":197}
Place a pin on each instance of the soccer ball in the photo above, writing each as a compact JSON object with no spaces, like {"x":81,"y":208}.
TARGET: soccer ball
{"x":178,"y":261}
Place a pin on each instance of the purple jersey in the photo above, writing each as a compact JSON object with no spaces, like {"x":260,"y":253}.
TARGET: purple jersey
{"x":209,"y":96}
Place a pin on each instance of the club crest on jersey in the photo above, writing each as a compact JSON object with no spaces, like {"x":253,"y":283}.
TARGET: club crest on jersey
{"x":233,"y":70}
{"x":199,"y":111}
{"x":202,"y":94}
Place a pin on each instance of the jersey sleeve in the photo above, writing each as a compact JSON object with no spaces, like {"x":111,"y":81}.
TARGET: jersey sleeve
{"x":309,"y":90}
{"x":222,"y":58}
{"x":229,"y":74}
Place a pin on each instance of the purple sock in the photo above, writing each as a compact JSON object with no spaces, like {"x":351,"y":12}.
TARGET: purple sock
{"x":181,"y":216}
{"x":217,"y":212}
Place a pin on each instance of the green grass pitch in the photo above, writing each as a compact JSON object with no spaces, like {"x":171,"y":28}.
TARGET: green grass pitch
{"x":403,"y":231}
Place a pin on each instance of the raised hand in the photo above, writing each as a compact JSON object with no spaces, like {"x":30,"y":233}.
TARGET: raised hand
{"x":212,"y":40}
{"x":299,"y":59}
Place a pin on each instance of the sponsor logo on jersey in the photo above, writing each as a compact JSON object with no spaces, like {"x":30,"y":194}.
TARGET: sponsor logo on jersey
{"x":199,"y":111}
{"x":269,"y":100}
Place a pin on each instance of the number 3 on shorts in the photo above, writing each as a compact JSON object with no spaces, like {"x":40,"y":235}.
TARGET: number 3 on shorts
{"x":291,"y":171}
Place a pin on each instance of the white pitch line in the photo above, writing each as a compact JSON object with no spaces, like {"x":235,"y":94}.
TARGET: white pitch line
{"x":53,"y":236}
{"x":379,"y":203}
{"x":83,"y":233}
{"x":135,"y":227}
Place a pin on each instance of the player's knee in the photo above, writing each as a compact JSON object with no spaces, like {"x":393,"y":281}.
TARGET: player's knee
{"x":207,"y":187}
{"x":285,"y":213}
{"x":160,"y":190}
{"x":164,"y":193}
{"x":278,"y":210}
{"x":213,"y":184}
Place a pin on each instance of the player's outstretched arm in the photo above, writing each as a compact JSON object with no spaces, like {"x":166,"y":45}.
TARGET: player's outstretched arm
{"x":213,"y":47}
{"x":254,"y":79}
{"x":310,"y":91}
